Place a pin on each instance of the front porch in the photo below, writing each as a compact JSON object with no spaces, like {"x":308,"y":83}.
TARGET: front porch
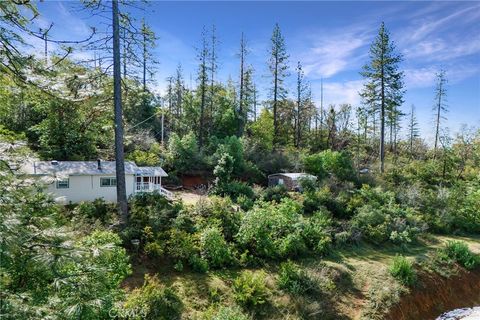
{"x":149,"y":179}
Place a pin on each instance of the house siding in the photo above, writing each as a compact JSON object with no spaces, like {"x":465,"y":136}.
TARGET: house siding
{"x":87,"y":188}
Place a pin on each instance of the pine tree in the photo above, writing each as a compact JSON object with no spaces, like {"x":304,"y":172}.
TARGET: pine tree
{"x":384,"y":87}
{"x":117,"y":100}
{"x":241,"y":101}
{"x":249,"y":95}
{"x":302,"y":102}
{"x":178,"y":96}
{"x":202,"y":78}
{"x":331,"y":127}
{"x":279,"y":69}
{"x":148,"y":62}
{"x":440,"y":106}
{"x":413,"y":131}
{"x":213,"y":66}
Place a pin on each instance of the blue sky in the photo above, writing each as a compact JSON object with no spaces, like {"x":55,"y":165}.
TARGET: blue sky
{"x":331,"y":39}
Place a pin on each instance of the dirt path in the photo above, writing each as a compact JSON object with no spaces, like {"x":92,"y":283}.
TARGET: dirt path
{"x":189,"y":197}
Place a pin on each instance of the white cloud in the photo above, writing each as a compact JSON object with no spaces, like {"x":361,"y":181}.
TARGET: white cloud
{"x":433,"y":24}
{"x":338,"y":92}
{"x":332,"y":52}
{"x":432,"y":36}
{"x":425,"y":77}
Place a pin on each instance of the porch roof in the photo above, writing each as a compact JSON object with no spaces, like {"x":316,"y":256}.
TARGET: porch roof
{"x":151,"y":171}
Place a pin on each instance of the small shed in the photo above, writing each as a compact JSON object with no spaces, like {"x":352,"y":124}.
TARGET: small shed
{"x":290,"y":180}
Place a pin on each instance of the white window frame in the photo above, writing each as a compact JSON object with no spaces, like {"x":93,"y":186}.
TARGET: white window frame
{"x":109,"y":179}
{"x":63,"y":184}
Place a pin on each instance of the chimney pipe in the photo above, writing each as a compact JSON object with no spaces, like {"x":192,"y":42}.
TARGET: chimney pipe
{"x":99,"y":164}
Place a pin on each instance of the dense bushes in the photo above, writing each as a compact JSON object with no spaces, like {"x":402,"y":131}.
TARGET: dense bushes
{"x":214,"y":248}
{"x":97,"y":210}
{"x":153,"y":301}
{"x":279,"y":231}
{"x":294,"y":280}
{"x":324,"y":198}
{"x":403,"y":270}
{"x":275,"y":193}
{"x":458,"y":251}
{"x":250,"y":288}
{"x":379,"y":218}
{"x":330,"y":162}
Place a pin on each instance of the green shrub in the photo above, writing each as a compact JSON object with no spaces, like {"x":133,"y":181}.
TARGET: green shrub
{"x":272,"y":230}
{"x":342,"y":238}
{"x":153,"y":210}
{"x":152,"y":301}
{"x":330,"y":162}
{"x":459,"y":252}
{"x":324,"y":198}
{"x":275,"y":193}
{"x":214,"y":248}
{"x":236,"y":189}
{"x":250,"y":289}
{"x":317,"y":232}
{"x":245,"y":203}
{"x":293,"y":279}
{"x":198,"y":264}
{"x":388,"y":222}
{"x":403,"y":270}
{"x":154,"y":249}
{"x":97,"y":209}
{"x":220,"y":211}
{"x":182,"y":245}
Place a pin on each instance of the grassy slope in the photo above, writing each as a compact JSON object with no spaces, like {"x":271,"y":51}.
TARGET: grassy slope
{"x":354,"y":283}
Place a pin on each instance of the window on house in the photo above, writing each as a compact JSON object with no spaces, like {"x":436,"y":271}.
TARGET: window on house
{"x":63,"y":184}
{"x":108,"y":182}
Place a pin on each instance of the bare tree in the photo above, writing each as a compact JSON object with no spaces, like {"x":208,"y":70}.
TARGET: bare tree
{"x":440,"y":106}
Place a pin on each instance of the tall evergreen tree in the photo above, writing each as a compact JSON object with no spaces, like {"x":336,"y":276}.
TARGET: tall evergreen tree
{"x":302,"y":98}
{"x":213,"y":71}
{"x":249,"y":95}
{"x":278,"y":67}
{"x":202,"y":78}
{"x":413,"y":131}
{"x":178,"y":97}
{"x":148,"y":62}
{"x":241,"y":101}
{"x":384,"y":85}
{"x":440,"y":107}
{"x":117,"y":101}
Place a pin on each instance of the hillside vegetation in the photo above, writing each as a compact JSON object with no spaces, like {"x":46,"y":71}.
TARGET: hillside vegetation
{"x":388,"y":216}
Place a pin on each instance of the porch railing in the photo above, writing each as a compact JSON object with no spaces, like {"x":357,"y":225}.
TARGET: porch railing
{"x":150,"y":187}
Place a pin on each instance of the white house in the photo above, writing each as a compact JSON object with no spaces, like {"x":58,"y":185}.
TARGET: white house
{"x":75,"y":181}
